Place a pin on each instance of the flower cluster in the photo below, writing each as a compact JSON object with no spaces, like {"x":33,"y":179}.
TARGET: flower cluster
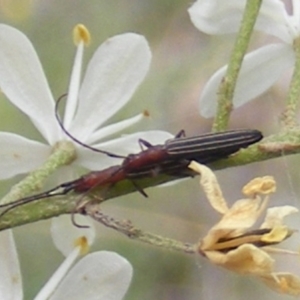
{"x":113,"y":74}
{"x":115,"y":71}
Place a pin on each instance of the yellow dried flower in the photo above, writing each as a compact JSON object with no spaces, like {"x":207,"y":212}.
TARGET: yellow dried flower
{"x":233,"y":245}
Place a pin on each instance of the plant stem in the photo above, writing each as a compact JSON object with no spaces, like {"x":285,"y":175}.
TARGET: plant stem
{"x":289,"y":118}
{"x":228,"y":84}
{"x":63,"y":154}
{"x":287,"y":142}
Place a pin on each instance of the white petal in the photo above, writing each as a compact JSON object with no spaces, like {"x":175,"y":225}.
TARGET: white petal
{"x":114,"y":73}
{"x":295,"y":16}
{"x":20,"y":155}
{"x":10,"y":275}
{"x":98,"y":276}
{"x":260,"y":69}
{"x":273,"y":19}
{"x":129,"y":143}
{"x":74,"y":86}
{"x":23,"y":81}
{"x":125,"y":145}
{"x":217,"y":16}
{"x":222,"y":17}
{"x":113,"y":128}
{"x":50,"y":286}
{"x":65,"y":234}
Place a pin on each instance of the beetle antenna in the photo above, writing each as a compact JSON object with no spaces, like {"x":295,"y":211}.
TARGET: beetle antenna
{"x":74,"y":138}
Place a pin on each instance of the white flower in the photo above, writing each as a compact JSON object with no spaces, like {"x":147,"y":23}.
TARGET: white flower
{"x":234,"y":245}
{"x":100,"y":275}
{"x":260,"y":68}
{"x":115,"y":71}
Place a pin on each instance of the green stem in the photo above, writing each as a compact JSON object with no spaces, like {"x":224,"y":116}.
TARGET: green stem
{"x":286,"y":143}
{"x":228,"y":84}
{"x":63,"y":154}
{"x":289,"y":118}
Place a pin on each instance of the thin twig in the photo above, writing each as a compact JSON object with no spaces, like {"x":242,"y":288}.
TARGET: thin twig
{"x":128,"y":229}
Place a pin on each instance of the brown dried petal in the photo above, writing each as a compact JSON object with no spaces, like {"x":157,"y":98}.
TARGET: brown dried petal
{"x":285,"y":283}
{"x":260,"y":185}
{"x":246,"y":259}
{"x":277,"y":234}
{"x":241,"y":216}
{"x":211,"y":187}
{"x":275,"y":215}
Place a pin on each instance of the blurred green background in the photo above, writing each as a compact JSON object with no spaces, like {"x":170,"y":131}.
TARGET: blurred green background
{"x":183,"y":60}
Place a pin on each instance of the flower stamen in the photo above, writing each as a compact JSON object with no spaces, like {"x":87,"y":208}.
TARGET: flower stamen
{"x":81,"y":34}
{"x":82,"y":243}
